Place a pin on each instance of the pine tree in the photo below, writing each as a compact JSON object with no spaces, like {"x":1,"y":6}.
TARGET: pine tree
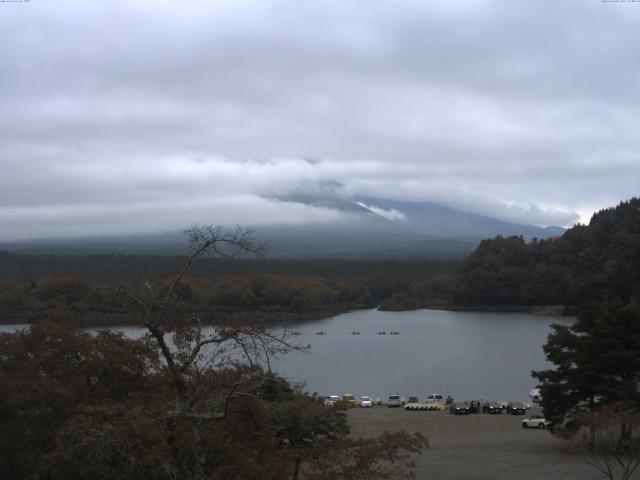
{"x":597,"y":362}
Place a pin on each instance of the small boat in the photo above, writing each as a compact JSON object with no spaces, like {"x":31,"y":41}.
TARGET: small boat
{"x":355,"y":333}
{"x":382,"y":333}
{"x":394,"y":332}
{"x":321,"y":332}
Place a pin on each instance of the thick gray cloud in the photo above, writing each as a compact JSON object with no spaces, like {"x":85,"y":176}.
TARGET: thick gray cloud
{"x":149,"y":115}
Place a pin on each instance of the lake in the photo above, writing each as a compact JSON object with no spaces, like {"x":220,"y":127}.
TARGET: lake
{"x":470,"y":355}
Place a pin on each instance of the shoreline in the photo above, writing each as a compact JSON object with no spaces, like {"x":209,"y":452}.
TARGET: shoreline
{"x":115,"y":319}
{"x":542,"y":310}
{"x":293,"y":318}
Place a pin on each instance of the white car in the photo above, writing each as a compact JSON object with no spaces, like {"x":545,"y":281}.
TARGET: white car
{"x":366,"y":402}
{"x":534,"y":421}
{"x":331,"y":400}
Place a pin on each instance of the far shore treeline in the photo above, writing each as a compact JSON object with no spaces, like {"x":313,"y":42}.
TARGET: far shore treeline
{"x":503,"y":273}
{"x":35,"y":287}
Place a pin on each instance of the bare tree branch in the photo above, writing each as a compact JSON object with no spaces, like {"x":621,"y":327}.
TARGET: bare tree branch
{"x":189,"y":341}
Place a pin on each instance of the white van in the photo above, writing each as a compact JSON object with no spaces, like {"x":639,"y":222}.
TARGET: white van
{"x":435,"y":398}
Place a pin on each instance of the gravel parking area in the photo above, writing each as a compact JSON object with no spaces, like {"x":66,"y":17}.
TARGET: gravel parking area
{"x":478,"y":446}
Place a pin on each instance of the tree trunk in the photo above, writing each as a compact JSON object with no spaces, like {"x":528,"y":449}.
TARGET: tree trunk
{"x":296,"y":468}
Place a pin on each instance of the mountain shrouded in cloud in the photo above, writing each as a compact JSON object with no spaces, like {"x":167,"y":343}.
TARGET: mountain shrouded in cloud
{"x":137,"y":117}
{"x":131,"y":197}
{"x":346,"y":229}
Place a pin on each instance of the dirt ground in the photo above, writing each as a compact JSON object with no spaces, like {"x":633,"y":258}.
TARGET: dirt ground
{"x":479,"y":446}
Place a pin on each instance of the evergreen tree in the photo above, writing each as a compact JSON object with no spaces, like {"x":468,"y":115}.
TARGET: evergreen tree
{"x":597,"y":362}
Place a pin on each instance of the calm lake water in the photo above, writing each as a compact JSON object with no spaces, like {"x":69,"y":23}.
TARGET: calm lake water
{"x":470,"y":355}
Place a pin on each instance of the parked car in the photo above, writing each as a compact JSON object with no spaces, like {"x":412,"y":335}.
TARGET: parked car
{"x":459,"y":408}
{"x":474,"y":406}
{"x":435,"y":397}
{"x":516,"y":408}
{"x":492,"y":407}
{"x":349,"y":399}
{"x":394,"y":400}
{"x":331,"y":400}
{"x":366,"y":402}
{"x":534,"y":421}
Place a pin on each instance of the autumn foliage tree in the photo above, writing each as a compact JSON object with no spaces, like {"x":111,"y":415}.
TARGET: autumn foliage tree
{"x":49,"y":372}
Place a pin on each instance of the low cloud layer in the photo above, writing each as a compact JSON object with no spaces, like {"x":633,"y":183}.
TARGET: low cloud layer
{"x":147,"y":116}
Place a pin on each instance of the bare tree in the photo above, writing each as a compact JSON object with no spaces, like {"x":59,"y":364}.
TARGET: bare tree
{"x":185,"y":348}
{"x":610,"y":441}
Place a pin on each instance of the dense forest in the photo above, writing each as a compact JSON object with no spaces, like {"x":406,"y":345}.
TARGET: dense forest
{"x":581,"y":266}
{"x":584,"y":265}
{"x":266,"y":297}
{"x":37,"y":287}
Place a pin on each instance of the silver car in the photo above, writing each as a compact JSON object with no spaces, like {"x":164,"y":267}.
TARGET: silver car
{"x":394,"y":400}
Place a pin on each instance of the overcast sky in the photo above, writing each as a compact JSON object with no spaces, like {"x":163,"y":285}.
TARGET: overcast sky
{"x":150,"y":115}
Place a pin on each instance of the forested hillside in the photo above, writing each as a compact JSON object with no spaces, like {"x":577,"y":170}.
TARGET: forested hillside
{"x":584,"y":265}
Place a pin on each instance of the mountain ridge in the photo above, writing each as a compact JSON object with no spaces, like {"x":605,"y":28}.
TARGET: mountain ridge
{"x":370,"y":228}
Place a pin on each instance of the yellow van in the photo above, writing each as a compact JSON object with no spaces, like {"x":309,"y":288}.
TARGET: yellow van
{"x":349,"y":399}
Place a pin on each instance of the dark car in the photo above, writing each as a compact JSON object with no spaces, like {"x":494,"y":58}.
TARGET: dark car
{"x":474,"y":406}
{"x":491,"y":407}
{"x":516,"y":408}
{"x":459,"y":408}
